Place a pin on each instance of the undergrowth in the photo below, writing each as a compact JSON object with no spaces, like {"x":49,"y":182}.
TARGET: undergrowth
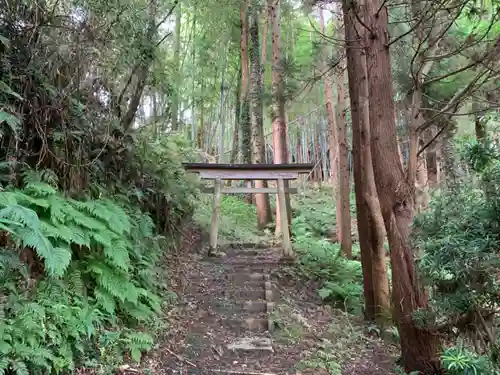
{"x":238,"y":220}
{"x":320,"y":259}
{"x":79,"y":284}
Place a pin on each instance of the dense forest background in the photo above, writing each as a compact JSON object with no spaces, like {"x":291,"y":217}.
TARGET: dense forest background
{"x":394,"y":103}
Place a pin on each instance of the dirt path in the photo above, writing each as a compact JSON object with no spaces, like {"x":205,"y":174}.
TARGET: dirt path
{"x":242,"y":314}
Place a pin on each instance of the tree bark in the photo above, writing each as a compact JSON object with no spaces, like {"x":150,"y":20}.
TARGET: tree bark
{"x":344,"y":220}
{"x":278,"y":104}
{"x":246,"y":131}
{"x":237,"y":113}
{"x":177,"y":70}
{"x":263,"y":56}
{"x":258,"y":144}
{"x":370,"y":221}
{"x":200,"y":133}
{"x":333,"y":145}
{"x":479,"y":125}
{"x":432,"y":156}
{"x":420,"y":348}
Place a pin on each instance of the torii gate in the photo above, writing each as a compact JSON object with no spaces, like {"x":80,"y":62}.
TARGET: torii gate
{"x":278,"y":172}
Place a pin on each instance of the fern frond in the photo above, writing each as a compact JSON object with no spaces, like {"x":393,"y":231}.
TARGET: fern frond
{"x":116,"y":219}
{"x":20,"y":214}
{"x":4,"y":364}
{"x":4,"y":348}
{"x":103,"y":238}
{"x":56,"y":259}
{"x":19,"y":368}
{"x":57,"y":232}
{"x":75,"y":282}
{"x":118,"y":254}
{"x":28,"y":200}
{"x":8,"y":198}
{"x":39,"y":189}
{"x":83,"y":220}
{"x":115,"y":283}
{"x":106,"y":300}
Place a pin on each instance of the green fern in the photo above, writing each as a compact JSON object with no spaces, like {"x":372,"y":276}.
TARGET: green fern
{"x":100,"y":259}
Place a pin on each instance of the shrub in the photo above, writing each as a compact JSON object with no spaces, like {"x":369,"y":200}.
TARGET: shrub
{"x":340,"y":279}
{"x":459,"y":239}
{"x":100,"y":287}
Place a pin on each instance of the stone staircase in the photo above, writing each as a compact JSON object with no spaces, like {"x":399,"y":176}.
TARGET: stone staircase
{"x":235,"y":299}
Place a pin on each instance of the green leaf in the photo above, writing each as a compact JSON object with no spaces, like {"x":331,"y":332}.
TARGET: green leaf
{"x":4,"y":41}
{"x":6,"y":89}
{"x":10,"y":120}
{"x":4,"y":347}
{"x":4,"y":363}
{"x":324,"y":293}
{"x":118,"y":254}
{"x":20,"y":368}
{"x":136,"y":354}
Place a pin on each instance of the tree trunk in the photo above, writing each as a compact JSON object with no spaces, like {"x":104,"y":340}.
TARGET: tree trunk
{"x":278,"y":104}
{"x":448,"y":154}
{"x":200,"y":134}
{"x":177,"y":70}
{"x":344,"y":220}
{"x":258,"y":144}
{"x":246,"y":129}
{"x":263,"y":57}
{"x":317,"y":153}
{"x":432,"y":155}
{"x":332,"y":139}
{"x":370,"y":222}
{"x":422,"y":176}
{"x":420,"y":348}
{"x":479,"y":125}
{"x":237,"y":113}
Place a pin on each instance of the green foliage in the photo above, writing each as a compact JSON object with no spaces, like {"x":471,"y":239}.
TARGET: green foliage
{"x":323,"y":358}
{"x":163,"y":188}
{"x":460,"y":361}
{"x":340,"y":279}
{"x":100,"y":289}
{"x":459,"y":237}
{"x":238,"y":220}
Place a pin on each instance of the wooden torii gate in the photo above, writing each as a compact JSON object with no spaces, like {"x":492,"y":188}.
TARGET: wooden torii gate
{"x":278,"y":172}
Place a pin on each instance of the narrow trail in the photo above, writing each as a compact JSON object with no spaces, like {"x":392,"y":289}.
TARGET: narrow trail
{"x":241,"y":314}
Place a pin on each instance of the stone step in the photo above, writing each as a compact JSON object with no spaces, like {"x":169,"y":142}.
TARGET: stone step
{"x":245,"y":259}
{"x":250,"y":324}
{"x":263,"y":267}
{"x":247,"y":276}
{"x":258,"y":306}
{"x":252,"y":344}
{"x":248,"y":258}
{"x":247,"y":294}
{"x":245,"y":284}
{"x":233,"y":277}
{"x":245,"y":246}
{"x":266,"y":293}
{"x":242,"y":308}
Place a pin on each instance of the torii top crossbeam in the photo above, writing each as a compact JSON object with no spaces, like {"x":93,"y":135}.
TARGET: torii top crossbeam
{"x":248,"y":171}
